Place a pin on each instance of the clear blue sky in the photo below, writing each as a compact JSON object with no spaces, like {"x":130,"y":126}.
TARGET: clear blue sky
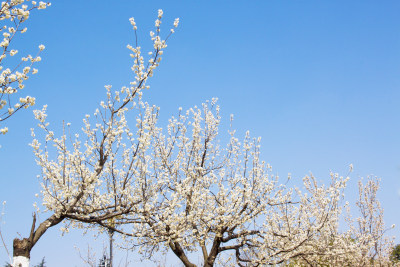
{"x":317,"y":80}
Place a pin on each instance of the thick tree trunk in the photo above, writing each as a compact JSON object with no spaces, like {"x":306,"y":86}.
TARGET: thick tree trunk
{"x":21,"y":252}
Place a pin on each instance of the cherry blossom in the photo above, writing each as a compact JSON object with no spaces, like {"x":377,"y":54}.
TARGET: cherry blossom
{"x":91,"y":177}
{"x":13,"y":14}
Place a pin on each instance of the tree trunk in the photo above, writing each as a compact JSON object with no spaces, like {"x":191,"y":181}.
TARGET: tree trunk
{"x":21,"y":252}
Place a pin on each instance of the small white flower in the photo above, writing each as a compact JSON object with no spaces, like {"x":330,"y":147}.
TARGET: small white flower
{"x":176,"y":22}
{"x":4,"y":131}
{"x":42,"y":5}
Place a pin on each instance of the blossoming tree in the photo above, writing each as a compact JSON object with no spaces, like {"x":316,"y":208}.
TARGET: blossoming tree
{"x":13,"y":15}
{"x":370,"y":244}
{"x":363,"y":244}
{"x":92,"y":179}
{"x":223,"y":201}
{"x":180,"y":189}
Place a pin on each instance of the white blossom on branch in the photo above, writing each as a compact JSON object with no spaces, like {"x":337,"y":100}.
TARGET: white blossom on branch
{"x":13,"y":15}
{"x":90,"y":177}
{"x":224,"y":201}
{"x":364,"y":243}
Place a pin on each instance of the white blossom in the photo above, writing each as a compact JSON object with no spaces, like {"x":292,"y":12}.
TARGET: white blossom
{"x":92,"y":177}
{"x":12,"y":16}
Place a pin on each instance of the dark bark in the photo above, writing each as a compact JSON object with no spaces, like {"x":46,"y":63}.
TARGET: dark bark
{"x":22,"y":247}
{"x":177,"y":249}
{"x":209,"y":262}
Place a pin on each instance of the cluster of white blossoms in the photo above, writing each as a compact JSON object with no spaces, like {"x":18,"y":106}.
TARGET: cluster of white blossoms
{"x":180,"y":189}
{"x":92,"y":177}
{"x":201,"y":196}
{"x":363,"y":244}
{"x":13,"y":14}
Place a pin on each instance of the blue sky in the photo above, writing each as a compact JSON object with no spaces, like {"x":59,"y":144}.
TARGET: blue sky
{"x":317,"y":80}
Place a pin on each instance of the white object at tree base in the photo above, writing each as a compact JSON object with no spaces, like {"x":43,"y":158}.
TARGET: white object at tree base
{"x":20,"y":261}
